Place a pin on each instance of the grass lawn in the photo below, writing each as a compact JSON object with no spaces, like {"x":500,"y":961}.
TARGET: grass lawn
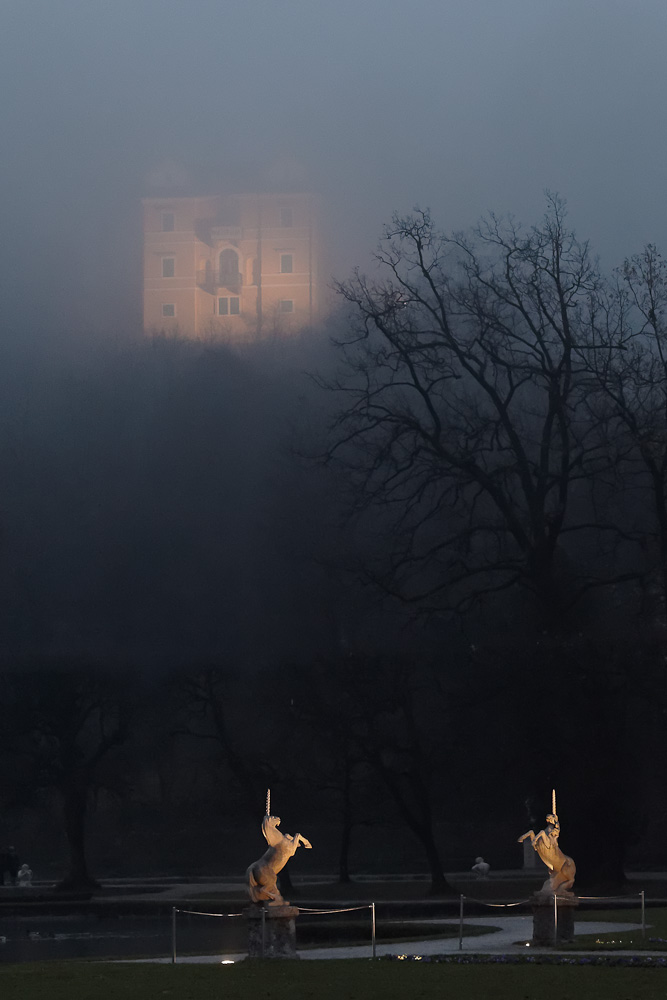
{"x":326,"y":980}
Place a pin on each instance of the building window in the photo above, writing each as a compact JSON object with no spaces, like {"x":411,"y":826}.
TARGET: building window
{"x":286,"y":217}
{"x":167,"y":222}
{"x":286,"y":263}
{"x":229,"y":306}
{"x":228,"y":267}
{"x":168,"y":309}
{"x":286,"y":306}
{"x":168,"y":267}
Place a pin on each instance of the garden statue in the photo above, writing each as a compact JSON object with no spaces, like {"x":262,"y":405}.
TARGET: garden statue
{"x":262,"y":876}
{"x":481,"y":868}
{"x":545,"y":843}
{"x":24,"y":876}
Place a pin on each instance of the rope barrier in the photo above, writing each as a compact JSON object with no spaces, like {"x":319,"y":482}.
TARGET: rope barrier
{"x":618,"y":898}
{"x":483,"y":902}
{"x":505,"y":905}
{"x":348,"y":909}
{"x":304,"y":909}
{"x":521,"y":902}
{"x":371,"y":906}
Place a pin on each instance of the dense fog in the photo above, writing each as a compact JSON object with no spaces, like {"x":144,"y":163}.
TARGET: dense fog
{"x":349,"y":562}
{"x":461,"y":107}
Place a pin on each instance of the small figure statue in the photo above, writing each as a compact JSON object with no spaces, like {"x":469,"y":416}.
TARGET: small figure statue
{"x":545,"y":843}
{"x":262,"y":876}
{"x":481,"y":868}
{"x":24,"y":876}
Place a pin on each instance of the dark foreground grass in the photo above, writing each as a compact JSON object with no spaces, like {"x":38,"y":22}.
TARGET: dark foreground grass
{"x":326,"y":980}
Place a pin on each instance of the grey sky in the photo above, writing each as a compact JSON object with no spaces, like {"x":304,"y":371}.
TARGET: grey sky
{"x":462,"y":105}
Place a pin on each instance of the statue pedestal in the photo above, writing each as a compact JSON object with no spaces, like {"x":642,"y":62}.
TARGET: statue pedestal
{"x":543,"y":919}
{"x":272,"y":931}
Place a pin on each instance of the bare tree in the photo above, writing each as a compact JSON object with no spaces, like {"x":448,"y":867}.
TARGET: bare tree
{"x":464,"y":417}
{"x":629,"y":367}
{"x":62,"y":725}
{"x":333,"y":766}
{"x":385,"y":713}
{"x":238,"y":717}
{"x":217,"y":708}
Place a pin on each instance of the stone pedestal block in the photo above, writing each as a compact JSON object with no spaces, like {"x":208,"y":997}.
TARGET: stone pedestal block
{"x":543,"y":919}
{"x":272,"y":931}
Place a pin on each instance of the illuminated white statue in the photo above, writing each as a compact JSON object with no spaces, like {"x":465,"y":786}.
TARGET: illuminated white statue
{"x":262,"y":876}
{"x":545,"y":843}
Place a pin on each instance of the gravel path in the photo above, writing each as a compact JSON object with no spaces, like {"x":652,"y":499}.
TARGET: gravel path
{"x":509,"y":939}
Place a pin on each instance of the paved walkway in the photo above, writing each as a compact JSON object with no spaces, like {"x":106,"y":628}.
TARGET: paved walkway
{"x":509,"y":938}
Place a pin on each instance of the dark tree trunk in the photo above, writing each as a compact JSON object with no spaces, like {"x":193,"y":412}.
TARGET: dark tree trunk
{"x":439,"y":884}
{"x":75,"y":806}
{"x":600,"y":857}
{"x":419,"y":819}
{"x":346,"y":832}
{"x":344,"y":855}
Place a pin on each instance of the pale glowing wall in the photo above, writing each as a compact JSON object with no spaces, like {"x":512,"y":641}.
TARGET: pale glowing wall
{"x":268,"y":232}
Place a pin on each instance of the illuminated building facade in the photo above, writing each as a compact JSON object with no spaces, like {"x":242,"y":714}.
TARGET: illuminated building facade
{"x":235,"y":266}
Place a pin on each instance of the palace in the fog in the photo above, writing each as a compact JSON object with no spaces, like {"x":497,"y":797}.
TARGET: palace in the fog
{"x":241,"y":266}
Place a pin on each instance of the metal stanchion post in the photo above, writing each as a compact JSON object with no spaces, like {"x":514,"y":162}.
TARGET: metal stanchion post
{"x":461,"y":898}
{"x":643,"y":899}
{"x":263,"y":932}
{"x":173,"y":935}
{"x":555,"y":920}
{"x":373,"y":928}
